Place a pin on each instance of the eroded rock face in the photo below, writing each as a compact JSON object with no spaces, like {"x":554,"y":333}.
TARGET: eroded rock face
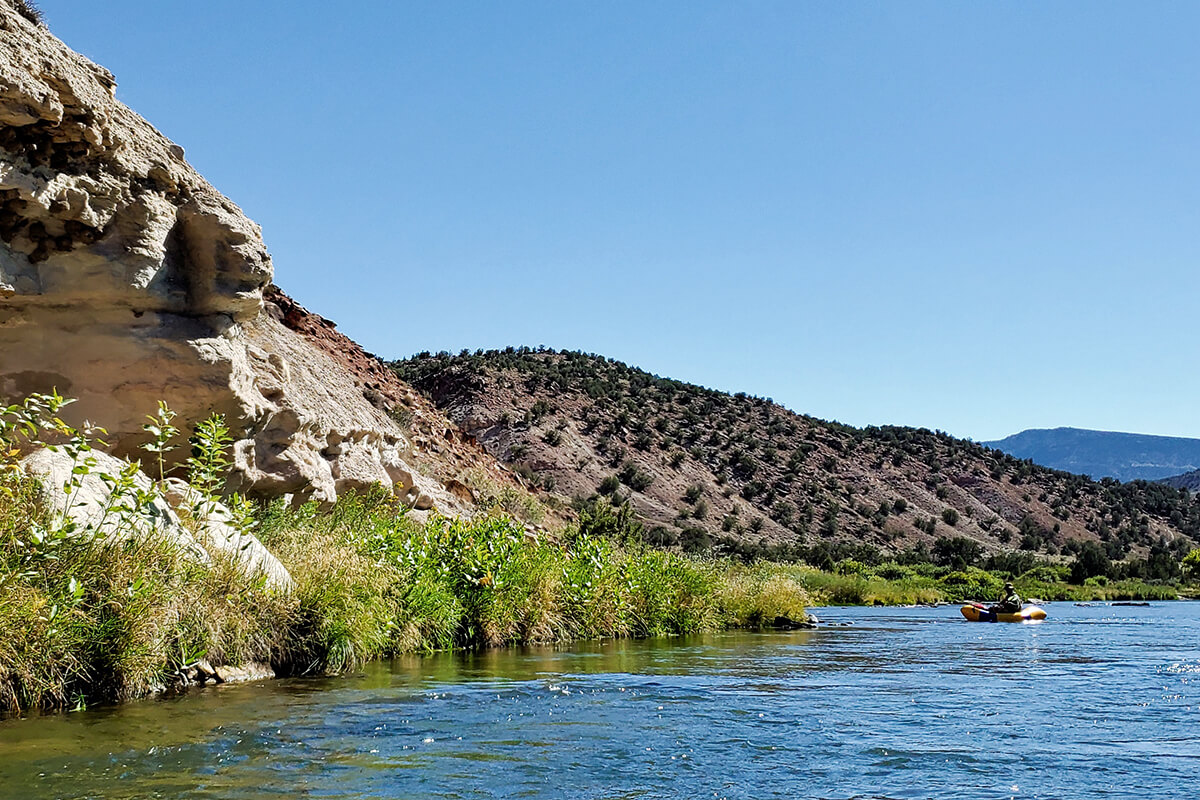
{"x":125,"y":279}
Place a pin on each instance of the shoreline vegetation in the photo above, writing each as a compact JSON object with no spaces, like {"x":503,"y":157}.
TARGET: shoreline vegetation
{"x":91,"y":616}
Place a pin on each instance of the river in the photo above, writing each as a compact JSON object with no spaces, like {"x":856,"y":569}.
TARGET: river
{"x":1096,"y":702}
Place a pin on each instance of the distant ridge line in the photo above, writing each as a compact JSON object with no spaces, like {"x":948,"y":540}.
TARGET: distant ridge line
{"x":1104,"y":454}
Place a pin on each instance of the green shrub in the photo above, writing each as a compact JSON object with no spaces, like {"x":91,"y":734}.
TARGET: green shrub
{"x":851,"y":567}
{"x":972,"y":584}
{"x":1046,"y":573}
{"x":601,"y":516}
{"x":634,"y":477}
{"x":1090,"y":561}
{"x":956,"y":552}
{"x":755,"y":596}
{"x":1191,"y":563}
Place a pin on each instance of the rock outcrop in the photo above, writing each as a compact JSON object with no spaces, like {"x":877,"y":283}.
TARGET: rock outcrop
{"x":97,"y":510}
{"x":125,"y":279}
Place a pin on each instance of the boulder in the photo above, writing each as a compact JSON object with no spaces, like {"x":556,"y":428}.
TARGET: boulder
{"x":215,"y":527}
{"x":253,"y":671}
{"x":88,"y":500}
{"x":97,"y":511}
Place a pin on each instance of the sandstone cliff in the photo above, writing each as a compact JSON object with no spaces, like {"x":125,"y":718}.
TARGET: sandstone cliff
{"x":125,"y":278}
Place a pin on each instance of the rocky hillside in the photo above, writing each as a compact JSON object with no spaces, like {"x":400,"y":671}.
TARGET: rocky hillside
{"x":698,"y":465}
{"x":1188,"y":480}
{"x":126,"y":279}
{"x":1104,"y":454}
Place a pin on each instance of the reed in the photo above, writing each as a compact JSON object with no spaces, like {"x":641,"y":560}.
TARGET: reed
{"x":108,"y":619}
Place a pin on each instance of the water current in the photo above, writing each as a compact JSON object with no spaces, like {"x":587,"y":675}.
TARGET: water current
{"x":1096,"y":702}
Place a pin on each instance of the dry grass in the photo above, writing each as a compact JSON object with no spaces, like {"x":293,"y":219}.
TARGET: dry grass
{"x":30,"y":11}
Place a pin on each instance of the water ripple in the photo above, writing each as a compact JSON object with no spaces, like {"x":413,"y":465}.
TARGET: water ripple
{"x":905,"y":703}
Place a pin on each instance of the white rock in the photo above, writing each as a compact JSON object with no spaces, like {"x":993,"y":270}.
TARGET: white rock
{"x":252,"y":671}
{"x":95,"y":511}
{"x":89,"y":502}
{"x":217,"y":530}
{"x":126,"y":279}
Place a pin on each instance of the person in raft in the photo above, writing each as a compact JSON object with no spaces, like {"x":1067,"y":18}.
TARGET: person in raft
{"x":1010,"y":603}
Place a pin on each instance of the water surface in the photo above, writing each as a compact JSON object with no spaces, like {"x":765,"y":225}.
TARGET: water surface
{"x":1097,"y":702}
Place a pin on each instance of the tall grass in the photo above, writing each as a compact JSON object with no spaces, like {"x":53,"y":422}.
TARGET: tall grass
{"x":110,"y":619}
{"x":106,"y":620}
{"x":371,"y":582}
{"x":852,"y":583}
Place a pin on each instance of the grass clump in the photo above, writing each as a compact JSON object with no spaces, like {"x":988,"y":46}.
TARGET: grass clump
{"x":30,"y":11}
{"x":504,"y":499}
{"x":114,"y":607}
{"x":762,"y":595}
{"x":113,"y":618}
{"x":388,"y":584}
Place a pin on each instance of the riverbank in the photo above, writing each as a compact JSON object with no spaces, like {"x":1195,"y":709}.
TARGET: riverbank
{"x":85,"y":620}
{"x":891,"y":584}
{"x":907,"y":697}
{"x":101,"y":620}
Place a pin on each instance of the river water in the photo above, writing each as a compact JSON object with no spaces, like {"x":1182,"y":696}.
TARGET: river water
{"x":1096,"y":702}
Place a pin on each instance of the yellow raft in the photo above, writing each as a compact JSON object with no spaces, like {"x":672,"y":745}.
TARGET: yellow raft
{"x":977,"y":613}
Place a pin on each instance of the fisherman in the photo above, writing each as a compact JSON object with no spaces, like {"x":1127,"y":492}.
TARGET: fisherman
{"x":1010,"y":603}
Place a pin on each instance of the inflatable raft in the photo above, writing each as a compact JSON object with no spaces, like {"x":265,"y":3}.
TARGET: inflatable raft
{"x":979,"y":613}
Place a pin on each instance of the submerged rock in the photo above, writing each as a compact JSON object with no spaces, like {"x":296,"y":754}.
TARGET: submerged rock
{"x":253,"y":671}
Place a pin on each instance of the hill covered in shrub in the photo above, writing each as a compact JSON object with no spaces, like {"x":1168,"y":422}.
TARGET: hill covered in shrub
{"x":699,"y":467}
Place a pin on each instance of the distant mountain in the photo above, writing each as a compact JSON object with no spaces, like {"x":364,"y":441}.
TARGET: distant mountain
{"x":701,"y":467}
{"x":1104,"y":454}
{"x":1188,"y":480}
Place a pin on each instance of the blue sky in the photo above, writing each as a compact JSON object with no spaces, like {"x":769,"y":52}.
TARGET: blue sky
{"x":977,"y":217}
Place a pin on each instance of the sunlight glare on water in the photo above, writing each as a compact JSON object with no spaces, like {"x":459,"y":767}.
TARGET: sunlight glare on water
{"x":1097,"y":702}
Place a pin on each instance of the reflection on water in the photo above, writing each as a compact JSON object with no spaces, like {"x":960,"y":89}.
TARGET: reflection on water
{"x":904,"y":703}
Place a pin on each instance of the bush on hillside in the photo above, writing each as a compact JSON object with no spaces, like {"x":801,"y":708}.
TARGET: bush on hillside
{"x":634,"y":477}
{"x":30,"y":11}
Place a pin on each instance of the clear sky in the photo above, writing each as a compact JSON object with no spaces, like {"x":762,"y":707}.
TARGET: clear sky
{"x":978,"y":217}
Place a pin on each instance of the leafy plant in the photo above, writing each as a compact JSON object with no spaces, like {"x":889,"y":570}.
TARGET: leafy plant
{"x":162,"y":432}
